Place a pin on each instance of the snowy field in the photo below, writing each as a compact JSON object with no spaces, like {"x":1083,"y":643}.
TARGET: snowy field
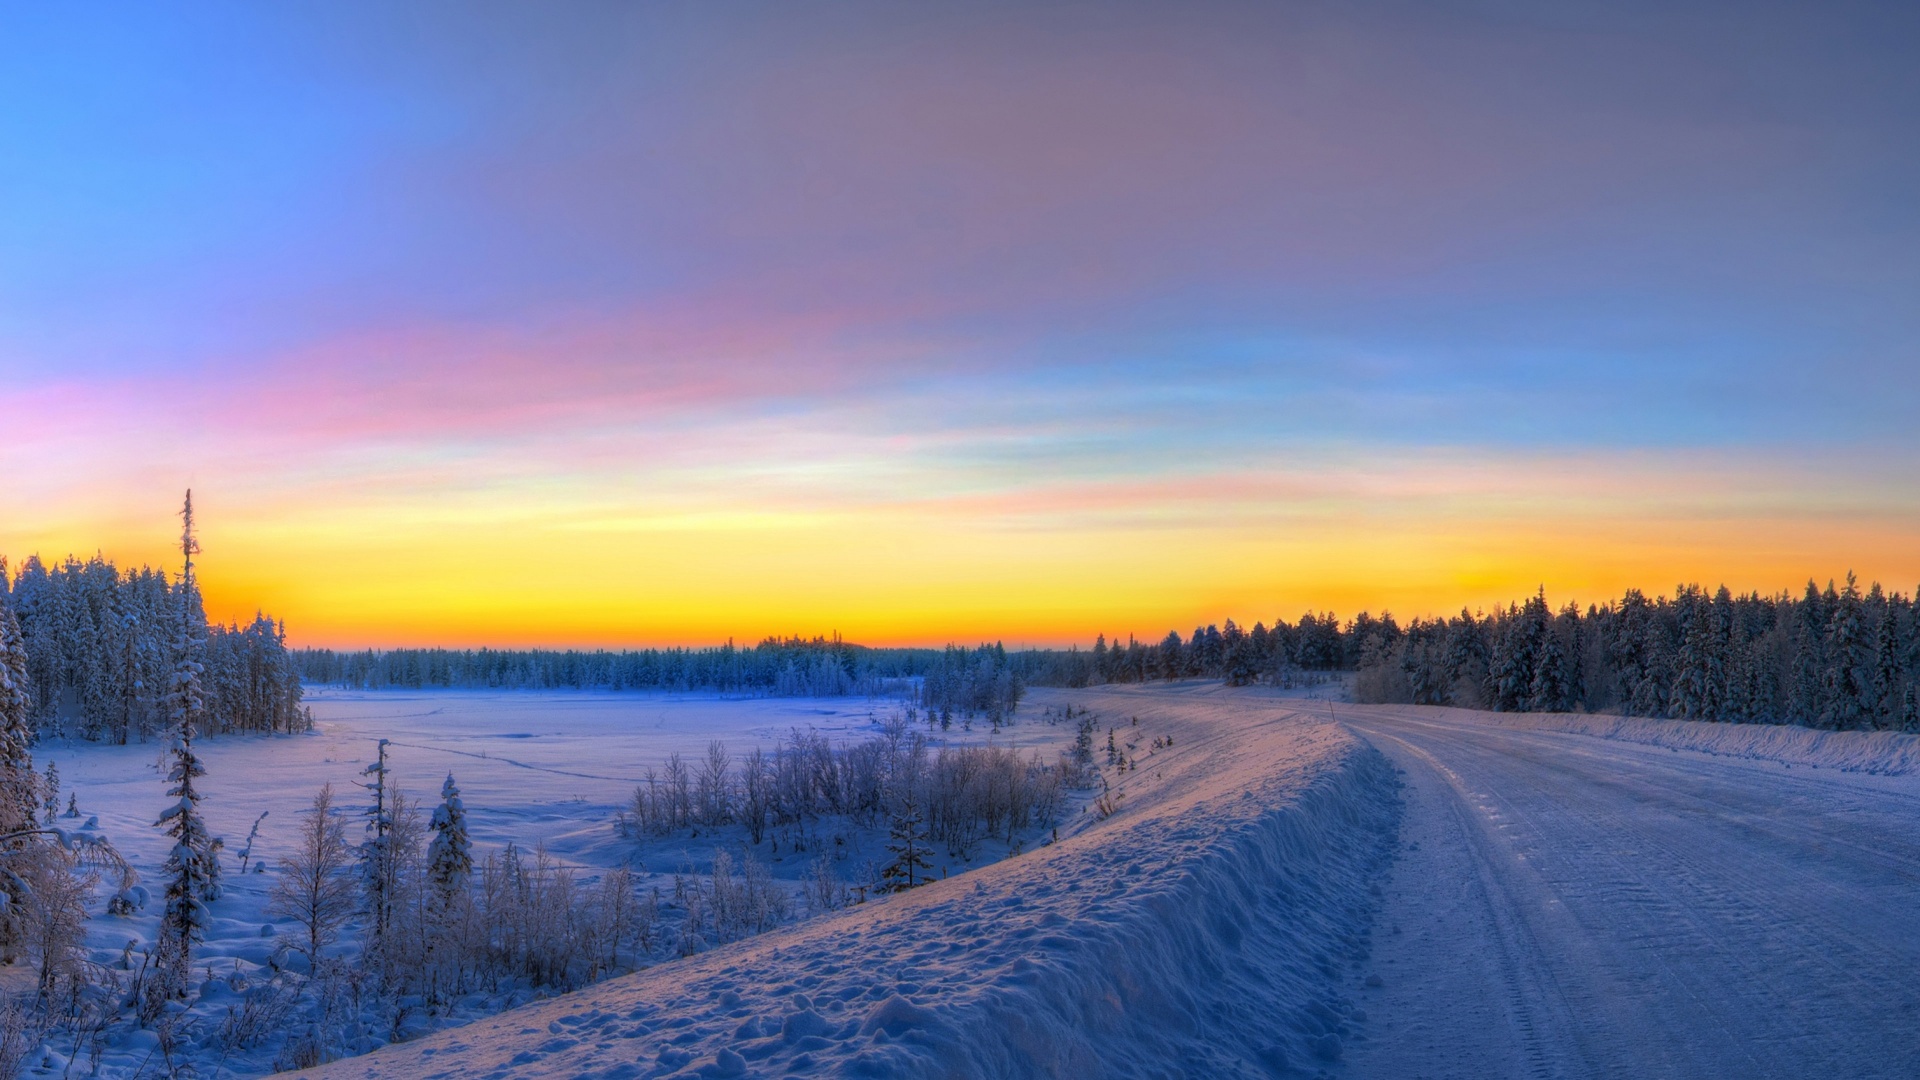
{"x":1206,"y":928}
{"x":535,"y":768}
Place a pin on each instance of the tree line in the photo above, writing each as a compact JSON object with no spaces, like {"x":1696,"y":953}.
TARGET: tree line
{"x":100,"y":655}
{"x":788,"y":667}
{"x":1837,"y":657}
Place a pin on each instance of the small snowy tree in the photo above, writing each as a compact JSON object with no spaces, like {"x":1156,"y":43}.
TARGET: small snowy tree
{"x":314,"y":888}
{"x":53,"y":915}
{"x":50,"y":792}
{"x":907,"y":843}
{"x":450,"y":856}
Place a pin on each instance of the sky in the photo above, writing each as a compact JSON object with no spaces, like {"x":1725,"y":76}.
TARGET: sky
{"x":625,"y":324}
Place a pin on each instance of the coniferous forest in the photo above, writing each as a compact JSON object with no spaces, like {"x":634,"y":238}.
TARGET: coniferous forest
{"x":786,"y":667}
{"x":100,"y":655}
{"x":1836,"y":657}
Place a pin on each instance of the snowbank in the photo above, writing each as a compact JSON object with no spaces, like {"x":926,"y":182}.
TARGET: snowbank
{"x":1198,"y":930}
{"x":1886,"y":752}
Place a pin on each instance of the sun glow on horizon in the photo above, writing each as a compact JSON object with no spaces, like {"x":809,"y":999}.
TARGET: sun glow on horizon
{"x":648,"y":325}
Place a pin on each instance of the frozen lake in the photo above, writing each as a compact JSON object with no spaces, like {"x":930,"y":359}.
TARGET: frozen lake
{"x":547,"y":767}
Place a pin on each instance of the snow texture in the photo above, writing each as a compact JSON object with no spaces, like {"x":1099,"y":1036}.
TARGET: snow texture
{"x":1886,"y":752}
{"x":1566,"y":906}
{"x":1201,"y":929}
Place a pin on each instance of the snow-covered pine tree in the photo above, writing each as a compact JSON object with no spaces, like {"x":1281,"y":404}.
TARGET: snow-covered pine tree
{"x":907,"y":842}
{"x":189,"y":879}
{"x":50,"y":792}
{"x":1514,"y":657}
{"x":1806,"y":689}
{"x":379,"y":870}
{"x":1581,"y":654}
{"x":1888,"y":652}
{"x":1549,"y":690}
{"x":1466,"y":663}
{"x":1693,"y":696}
{"x":1846,"y":705}
{"x":18,"y":784}
{"x":17,"y":781}
{"x":450,"y":856}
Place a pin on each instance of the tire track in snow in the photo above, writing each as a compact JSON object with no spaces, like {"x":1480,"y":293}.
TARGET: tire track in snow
{"x":1727,"y":917}
{"x":1535,"y":1002}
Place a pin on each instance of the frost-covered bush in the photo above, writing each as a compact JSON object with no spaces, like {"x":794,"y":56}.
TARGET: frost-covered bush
{"x":966,"y":793}
{"x":314,"y":889}
{"x":747,"y":902}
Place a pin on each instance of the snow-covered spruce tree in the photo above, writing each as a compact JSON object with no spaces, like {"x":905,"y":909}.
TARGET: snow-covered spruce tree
{"x":907,"y":843}
{"x":1548,"y":690}
{"x":1888,"y":651}
{"x":1847,"y":703}
{"x":379,"y":870}
{"x":1693,"y":697}
{"x":18,"y":784}
{"x":1467,"y":660}
{"x":450,"y":856}
{"x":1514,"y":655}
{"x":190,"y":880}
{"x":50,"y":792}
{"x":1806,"y":698}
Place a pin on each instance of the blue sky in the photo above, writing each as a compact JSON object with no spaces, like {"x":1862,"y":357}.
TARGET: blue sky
{"x":1165,"y":265}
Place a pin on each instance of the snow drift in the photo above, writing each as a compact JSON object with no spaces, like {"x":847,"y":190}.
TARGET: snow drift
{"x":1199,"y":929}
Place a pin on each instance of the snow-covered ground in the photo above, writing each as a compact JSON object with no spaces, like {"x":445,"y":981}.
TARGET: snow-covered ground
{"x":1558,"y":904}
{"x":535,"y":768}
{"x":1203,"y":929}
{"x":1572,"y":906}
{"x":1890,"y":752}
{"x":1292,"y":887}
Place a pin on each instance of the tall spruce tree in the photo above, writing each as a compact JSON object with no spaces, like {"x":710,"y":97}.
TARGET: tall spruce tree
{"x":1847,"y":697}
{"x":1698,"y":666}
{"x":17,"y":780}
{"x":1548,"y":692}
{"x":189,"y":878}
{"x":379,"y":869}
{"x":1888,"y":654}
{"x":1806,"y":693}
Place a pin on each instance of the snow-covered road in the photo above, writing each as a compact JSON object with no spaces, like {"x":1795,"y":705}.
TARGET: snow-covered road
{"x":1567,"y":906}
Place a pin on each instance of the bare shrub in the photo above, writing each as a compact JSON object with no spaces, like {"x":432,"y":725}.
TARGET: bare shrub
{"x":314,"y":889}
